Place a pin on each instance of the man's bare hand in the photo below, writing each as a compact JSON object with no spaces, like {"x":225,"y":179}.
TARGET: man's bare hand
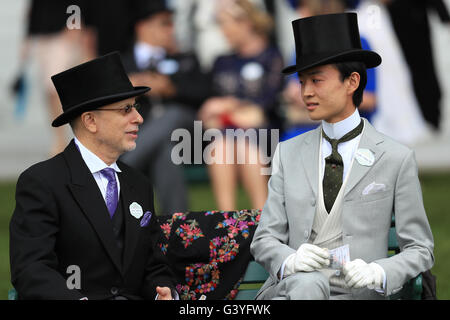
{"x":164,"y":293}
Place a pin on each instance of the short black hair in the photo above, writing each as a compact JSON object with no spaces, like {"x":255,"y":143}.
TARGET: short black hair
{"x":346,"y":69}
{"x":74,"y":124}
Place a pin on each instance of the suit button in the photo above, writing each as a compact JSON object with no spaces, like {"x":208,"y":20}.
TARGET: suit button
{"x":114,"y":290}
{"x":313,"y":202}
{"x":306,"y":234}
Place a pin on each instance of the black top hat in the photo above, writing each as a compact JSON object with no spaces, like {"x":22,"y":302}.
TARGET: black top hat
{"x":327,"y":39}
{"x":91,"y":85}
{"x":148,"y":8}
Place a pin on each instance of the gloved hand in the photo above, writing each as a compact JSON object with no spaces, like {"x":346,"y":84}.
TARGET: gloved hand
{"x":359,"y":274}
{"x":308,"y":258}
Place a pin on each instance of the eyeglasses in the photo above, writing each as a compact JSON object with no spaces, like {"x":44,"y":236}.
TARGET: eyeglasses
{"x":126,"y":109}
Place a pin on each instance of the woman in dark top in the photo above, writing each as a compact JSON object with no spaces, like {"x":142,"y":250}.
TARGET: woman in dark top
{"x":58,"y":36}
{"x":246,"y":86}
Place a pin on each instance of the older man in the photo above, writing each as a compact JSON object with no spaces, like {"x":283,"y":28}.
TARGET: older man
{"x":84,"y":225}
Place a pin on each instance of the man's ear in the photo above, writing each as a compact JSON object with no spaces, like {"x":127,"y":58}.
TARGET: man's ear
{"x":89,"y":121}
{"x":353,"y":82}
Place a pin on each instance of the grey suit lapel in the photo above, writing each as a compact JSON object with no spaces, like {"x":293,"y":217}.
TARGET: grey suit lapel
{"x":370,"y":139}
{"x":310,"y":157}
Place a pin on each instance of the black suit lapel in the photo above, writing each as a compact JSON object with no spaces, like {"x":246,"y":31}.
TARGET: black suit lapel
{"x":132,"y":224}
{"x":87,"y":194}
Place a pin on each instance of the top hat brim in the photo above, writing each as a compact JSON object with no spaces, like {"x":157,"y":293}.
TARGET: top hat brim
{"x":93,"y":104}
{"x":369,"y":58}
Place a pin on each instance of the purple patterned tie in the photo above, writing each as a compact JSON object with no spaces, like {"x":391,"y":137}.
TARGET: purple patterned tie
{"x":111,"y":190}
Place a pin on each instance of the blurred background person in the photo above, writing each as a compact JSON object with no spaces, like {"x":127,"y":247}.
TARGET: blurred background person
{"x":245,"y":94}
{"x":296,"y":116}
{"x":411,"y":25}
{"x":113,"y":23}
{"x":198,"y":30}
{"x":55,"y":47}
{"x":398,"y":112}
{"x":178,"y":89}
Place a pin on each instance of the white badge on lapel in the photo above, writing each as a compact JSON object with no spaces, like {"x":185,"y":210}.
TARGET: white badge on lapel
{"x":365,"y":157}
{"x":136,"y":210}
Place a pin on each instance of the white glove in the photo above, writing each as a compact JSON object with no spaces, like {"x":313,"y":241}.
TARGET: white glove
{"x":307,"y":258}
{"x":359,"y":274}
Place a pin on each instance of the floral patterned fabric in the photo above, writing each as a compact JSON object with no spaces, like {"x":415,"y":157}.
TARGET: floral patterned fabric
{"x":208,"y":251}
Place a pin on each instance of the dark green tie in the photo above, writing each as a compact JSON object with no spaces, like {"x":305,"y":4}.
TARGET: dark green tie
{"x":334,"y":167}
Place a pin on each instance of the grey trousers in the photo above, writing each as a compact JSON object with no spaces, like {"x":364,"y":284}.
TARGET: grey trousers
{"x":152,"y":156}
{"x":312,"y":286}
{"x":306,"y":286}
{"x":299,"y":286}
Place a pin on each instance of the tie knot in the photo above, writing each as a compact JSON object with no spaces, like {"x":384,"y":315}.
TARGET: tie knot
{"x":334,"y":142}
{"x":349,"y":136}
{"x":109,"y":174}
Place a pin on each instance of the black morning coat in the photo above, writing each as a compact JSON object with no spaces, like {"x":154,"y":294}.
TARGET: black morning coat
{"x":61,"y":220}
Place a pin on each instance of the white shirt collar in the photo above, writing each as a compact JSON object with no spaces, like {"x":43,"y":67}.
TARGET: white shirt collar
{"x":94,"y":163}
{"x":143,"y":52}
{"x":339,"y":129}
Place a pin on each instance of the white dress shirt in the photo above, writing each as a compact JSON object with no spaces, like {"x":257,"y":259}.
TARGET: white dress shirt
{"x":95,"y":165}
{"x":336,"y":131}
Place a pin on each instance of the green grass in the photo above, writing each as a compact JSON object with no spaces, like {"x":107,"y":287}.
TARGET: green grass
{"x":436,"y":194}
{"x":202,"y":198}
{"x":7,"y":204}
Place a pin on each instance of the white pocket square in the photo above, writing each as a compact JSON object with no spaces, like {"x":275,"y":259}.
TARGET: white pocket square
{"x":374,"y":188}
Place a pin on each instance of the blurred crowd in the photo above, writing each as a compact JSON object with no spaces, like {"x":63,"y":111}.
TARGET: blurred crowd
{"x":220,"y":61}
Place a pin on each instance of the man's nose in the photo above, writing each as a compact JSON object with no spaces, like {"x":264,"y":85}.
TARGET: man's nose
{"x":306,"y":89}
{"x":138,"y":118}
